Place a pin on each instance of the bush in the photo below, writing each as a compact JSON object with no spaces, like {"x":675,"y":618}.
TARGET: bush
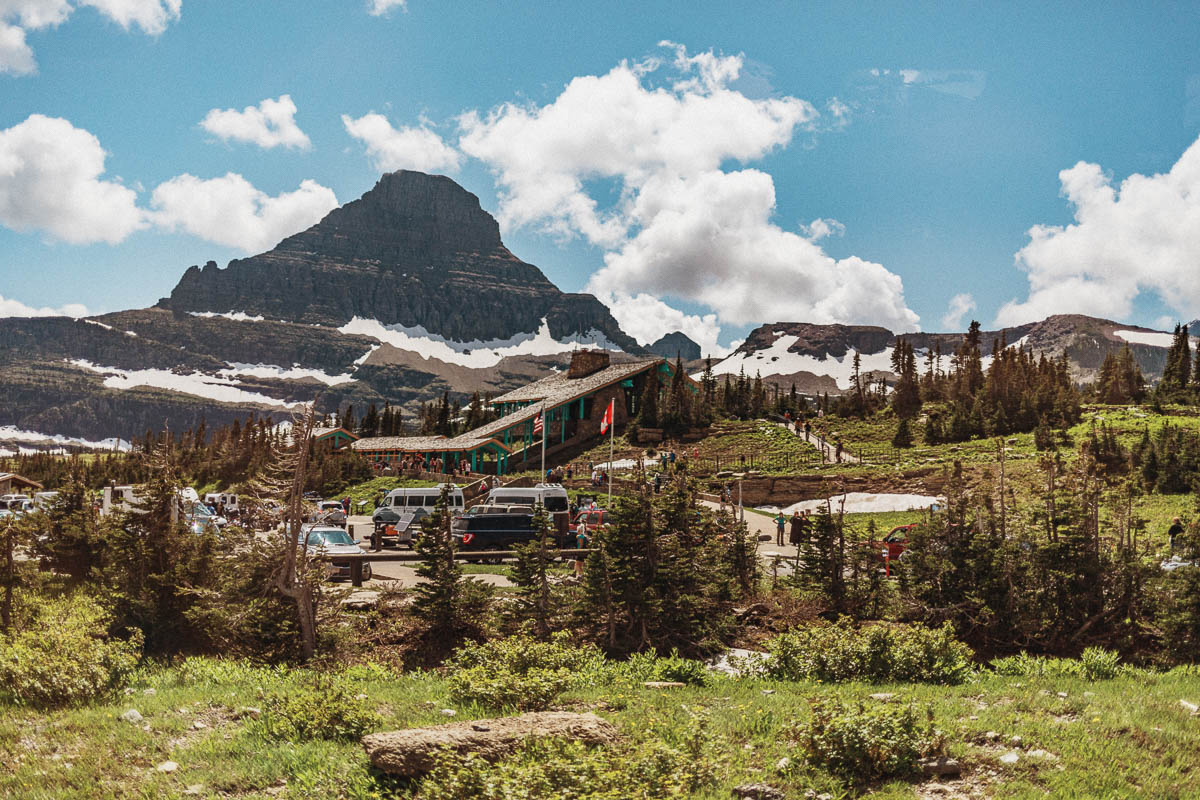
{"x":520,"y":672}
{"x":650,"y":666}
{"x":860,"y":745}
{"x":840,"y":652}
{"x":1094,"y":664}
{"x":570,"y":771}
{"x":322,"y":710}
{"x":65,"y":655}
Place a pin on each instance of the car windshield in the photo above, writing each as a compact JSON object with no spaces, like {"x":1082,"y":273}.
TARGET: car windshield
{"x":201,"y":510}
{"x":323,"y":537}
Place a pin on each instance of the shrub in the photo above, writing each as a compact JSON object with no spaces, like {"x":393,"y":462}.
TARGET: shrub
{"x":841,"y":652}
{"x":859,"y":745}
{"x":520,"y":672}
{"x":1094,"y":664}
{"x":650,"y":666}
{"x":570,"y":771}
{"x":65,"y":655}
{"x":323,"y":710}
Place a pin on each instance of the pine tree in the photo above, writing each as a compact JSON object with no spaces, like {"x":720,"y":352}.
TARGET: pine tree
{"x":531,"y":574}
{"x":450,"y":608}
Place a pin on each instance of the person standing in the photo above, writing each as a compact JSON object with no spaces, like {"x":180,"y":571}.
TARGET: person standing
{"x":581,"y":542}
{"x":807,"y":430}
{"x":1174,"y":532}
{"x":795,"y":533}
{"x":780,"y":524}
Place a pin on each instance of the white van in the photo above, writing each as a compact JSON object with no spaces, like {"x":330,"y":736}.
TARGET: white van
{"x":403,"y":509}
{"x":214,"y":500}
{"x":551,"y":495}
{"x":118,"y":498}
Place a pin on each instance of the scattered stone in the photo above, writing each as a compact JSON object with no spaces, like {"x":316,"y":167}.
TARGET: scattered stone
{"x":198,"y":725}
{"x":363,"y":600}
{"x":768,"y":691}
{"x":1046,"y":755}
{"x":663,"y":685}
{"x":194,"y":789}
{"x":1062,"y":695}
{"x":1191,"y":708}
{"x":248,"y":711}
{"x":1015,"y":741}
{"x":448,"y":712}
{"x":167,"y":766}
{"x":882,"y":697}
{"x":992,"y":736}
{"x":149,"y":692}
{"x":1010,"y":758}
{"x":783,"y":764}
{"x":132,"y":716}
{"x":1089,"y":694}
{"x":414,"y":751}
{"x":429,"y":704}
{"x":362,"y":696}
{"x":128,"y":690}
{"x":941,"y":767}
{"x":757,"y":791}
{"x":973,"y":716}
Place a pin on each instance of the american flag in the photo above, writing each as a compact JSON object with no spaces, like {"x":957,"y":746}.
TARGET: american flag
{"x":537,"y":424}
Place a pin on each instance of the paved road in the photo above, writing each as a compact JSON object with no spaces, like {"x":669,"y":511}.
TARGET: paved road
{"x":397,"y":572}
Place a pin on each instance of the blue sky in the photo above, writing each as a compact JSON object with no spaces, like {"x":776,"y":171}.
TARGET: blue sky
{"x":930,"y":138}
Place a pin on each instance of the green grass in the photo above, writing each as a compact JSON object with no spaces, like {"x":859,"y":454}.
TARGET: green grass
{"x":1101,"y":744}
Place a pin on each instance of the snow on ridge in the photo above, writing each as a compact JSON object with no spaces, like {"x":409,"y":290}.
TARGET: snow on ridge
{"x":211,"y":387}
{"x":99,"y":324}
{"x":358,"y":362}
{"x":10,"y":433}
{"x":1152,"y":338}
{"x":776,"y":360}
{"x":292,"y":373}
{"x":475,"y":354}
{"x":236,"y":316}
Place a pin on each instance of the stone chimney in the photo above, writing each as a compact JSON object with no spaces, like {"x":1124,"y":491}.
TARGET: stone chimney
{"x":587,"y":362}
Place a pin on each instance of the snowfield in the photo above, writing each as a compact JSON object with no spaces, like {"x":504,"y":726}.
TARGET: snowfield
{"x":292,"y":373}
{"x":222,"y":390}
{"x":776,"y":360}
{"x":236,"y":316}
{"x":1151,"y":338}
{"x":10,"y":433}
{"x":472,"y":354}
{"x":862,"y":503}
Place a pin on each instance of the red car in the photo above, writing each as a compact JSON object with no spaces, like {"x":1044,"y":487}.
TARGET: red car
{"x":592,"y":517}
{"x":896,"y":542}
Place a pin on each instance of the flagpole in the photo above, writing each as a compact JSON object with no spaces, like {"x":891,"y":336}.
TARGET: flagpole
{"x":612,"y":429}
{"x":544,"y":422}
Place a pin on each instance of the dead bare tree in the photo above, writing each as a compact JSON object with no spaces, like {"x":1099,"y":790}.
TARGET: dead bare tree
{"x":293,"y":579}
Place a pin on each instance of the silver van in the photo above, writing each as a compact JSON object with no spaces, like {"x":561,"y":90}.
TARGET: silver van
{"x":551,"y":495}
{"x":399,"y":516}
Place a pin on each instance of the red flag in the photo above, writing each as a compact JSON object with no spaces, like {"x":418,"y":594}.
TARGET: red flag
{"x":537,"y":424}
{"x":607,"y":420}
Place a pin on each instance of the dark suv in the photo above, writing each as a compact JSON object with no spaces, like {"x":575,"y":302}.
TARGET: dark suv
{"x":496,"y":531}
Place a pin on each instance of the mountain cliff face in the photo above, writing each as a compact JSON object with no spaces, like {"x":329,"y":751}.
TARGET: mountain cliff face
{"x":418,"y":251}
{"x":673,"y":345}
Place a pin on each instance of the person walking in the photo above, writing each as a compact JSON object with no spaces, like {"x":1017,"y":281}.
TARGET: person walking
{"x":1174,"y":532}
{"x":807,"y":430}
{"x":795,"y":533}
{"x":780,"y":524}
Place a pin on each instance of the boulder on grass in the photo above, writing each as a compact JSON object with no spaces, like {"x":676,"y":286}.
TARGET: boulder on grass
{"x":413,"y":752}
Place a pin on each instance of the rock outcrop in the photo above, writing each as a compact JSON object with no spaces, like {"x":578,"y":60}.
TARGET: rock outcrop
{"x":417,"y":250}
{"x":414,"y":751}
{"x":676,"y":345}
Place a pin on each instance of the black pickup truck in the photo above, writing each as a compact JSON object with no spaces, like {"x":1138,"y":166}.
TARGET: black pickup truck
{"x":499,"y":531}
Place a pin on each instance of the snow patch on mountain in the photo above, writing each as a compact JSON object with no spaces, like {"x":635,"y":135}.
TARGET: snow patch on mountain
{"x":222,"y":390}
{"x":292,"y":373}
{"x":10,"y":434}
{"x":473,"y":354}
{"x":1146,"y":337}
{"x":862,"y":503}
{"x":236,"y":316}
{"x":776,"y":360}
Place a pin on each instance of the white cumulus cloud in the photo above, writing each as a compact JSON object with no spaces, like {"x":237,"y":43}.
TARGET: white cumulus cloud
{"x":50,"y":180}
{"x":272,"y":123}
{"x":390,"y":148}
{"x":229,"y":210}
{"x":19,"y":16}
{"x":960,"y":306}
{"x":377,"y":8}
{"x":1140,"y":236}
{"x":152,"y":16}
{"x":678,"y":224}
{"x":15,"y":308}
{"x":648,"y":319}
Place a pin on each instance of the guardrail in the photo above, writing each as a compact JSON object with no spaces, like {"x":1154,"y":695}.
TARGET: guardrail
{"x":356,"y":559}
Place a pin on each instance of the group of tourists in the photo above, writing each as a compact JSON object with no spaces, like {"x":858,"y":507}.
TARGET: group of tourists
{"x":797,"y":527}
